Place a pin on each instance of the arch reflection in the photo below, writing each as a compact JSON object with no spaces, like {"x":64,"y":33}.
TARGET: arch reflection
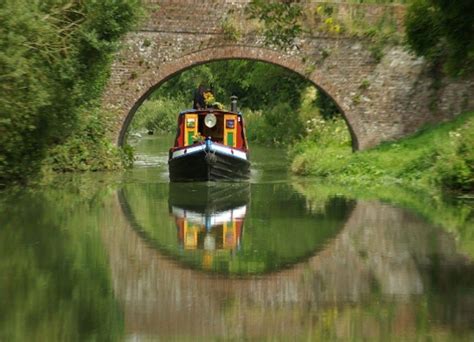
{"x":232,"y":228}
{"x":386,"y":271}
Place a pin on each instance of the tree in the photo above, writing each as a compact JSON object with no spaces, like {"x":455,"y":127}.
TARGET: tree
{"x":257,"y":84}
{"x":443,"y":32}
{"x":54,"y":60}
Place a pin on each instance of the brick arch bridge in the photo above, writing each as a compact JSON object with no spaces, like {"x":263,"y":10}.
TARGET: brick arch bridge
{"x":381,"y":99}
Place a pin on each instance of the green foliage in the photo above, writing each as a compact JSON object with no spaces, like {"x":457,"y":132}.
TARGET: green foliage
{"x":309,"y":120}
{"x":284,"y":21}
{"x":454,"y":167}
{"x":325,"y":149}
{"x":230,"y":29}
{"x":269,"y":95}
{"x":441,"y":156}
{"x":56,"y":282}
{"x":384,"y":32}
{"x":327,"y":107}
{"x":280,"y":125}
{"x":443,"y":32}
{"x":380,"y":2}
{"x":89,"y":148}
{"x":422,"y":27}
{"x":257,"y":84}
{"x":324,"y":21}
{"x":267,"y":84}
{"x":185,"y":83}
{"x":54,"y":58}
{"x":326,"y":134}
{"x":280,"y":19}
{"x":158,"y":115}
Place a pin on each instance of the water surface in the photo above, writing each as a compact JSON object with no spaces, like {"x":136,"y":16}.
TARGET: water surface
{"x":132,"y":257}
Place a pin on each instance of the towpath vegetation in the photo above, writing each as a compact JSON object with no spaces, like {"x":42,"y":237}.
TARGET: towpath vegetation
{"x":437,"y":157}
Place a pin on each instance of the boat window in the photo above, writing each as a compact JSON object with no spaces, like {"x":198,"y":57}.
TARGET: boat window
{"x":216,"y":133}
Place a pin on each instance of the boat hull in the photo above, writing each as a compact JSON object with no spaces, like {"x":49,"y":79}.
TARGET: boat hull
{"x":209,"y":163}
{"x":209,"y":198}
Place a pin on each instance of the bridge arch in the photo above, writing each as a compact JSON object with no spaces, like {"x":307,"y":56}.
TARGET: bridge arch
{"x":152,"y":79}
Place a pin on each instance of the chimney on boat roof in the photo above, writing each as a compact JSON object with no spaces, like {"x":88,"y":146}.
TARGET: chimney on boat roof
{"x":233,"y":103}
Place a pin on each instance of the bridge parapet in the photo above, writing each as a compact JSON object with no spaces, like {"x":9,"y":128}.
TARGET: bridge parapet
{"x":210,"y":17}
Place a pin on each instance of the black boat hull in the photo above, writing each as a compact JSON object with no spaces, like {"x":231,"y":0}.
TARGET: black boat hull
{"x":208,"y":166}
{"x":212,"y":197}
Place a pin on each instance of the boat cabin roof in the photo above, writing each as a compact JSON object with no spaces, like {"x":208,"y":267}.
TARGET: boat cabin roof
{"x":209,"y":110}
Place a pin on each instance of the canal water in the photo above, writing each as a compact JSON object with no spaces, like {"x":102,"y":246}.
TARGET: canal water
{"x":129,"y":256}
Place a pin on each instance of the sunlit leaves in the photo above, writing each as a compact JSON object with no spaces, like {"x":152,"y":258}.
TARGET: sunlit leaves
{"x":280,"y":20}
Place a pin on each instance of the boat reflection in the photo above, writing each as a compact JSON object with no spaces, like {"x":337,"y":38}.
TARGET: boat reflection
{"x":210,"y":232}
{"x":209,"y":219}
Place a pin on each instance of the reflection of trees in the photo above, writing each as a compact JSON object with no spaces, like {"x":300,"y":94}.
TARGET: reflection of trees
{"x":386,"y":274}
{"x":54,"y":284}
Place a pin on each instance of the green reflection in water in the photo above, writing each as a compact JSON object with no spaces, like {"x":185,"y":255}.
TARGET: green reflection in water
{"x":235,"y":228}
{"x":452,"y":215}
{"x":54,"y":283}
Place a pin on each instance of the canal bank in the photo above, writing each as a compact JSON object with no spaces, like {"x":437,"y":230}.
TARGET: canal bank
{"x":436,"y":159}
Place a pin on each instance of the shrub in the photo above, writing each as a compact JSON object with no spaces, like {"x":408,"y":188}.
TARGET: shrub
{"x":89,"y":148}
{"x":230,"y":29}
{"x":158,"y":115}
{"x":325,"y":149}
{"x":255,"y":125}
{"x":454,"y":167}
{"x":54,"y":62}
{"x":318,"y":160}
{"x":280,"y":125}
{"x":440,"y":157}
{"x":331,"y":132}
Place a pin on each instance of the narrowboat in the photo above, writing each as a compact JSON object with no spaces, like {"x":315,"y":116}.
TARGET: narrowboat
{"x":210,"y":145}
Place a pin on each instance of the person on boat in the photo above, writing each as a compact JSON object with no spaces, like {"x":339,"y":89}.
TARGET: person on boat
{"x":209,"y":98}
{"x":199,"y":100}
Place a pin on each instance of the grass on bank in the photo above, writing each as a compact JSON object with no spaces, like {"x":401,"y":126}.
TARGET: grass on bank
{"x":440,"y":156}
